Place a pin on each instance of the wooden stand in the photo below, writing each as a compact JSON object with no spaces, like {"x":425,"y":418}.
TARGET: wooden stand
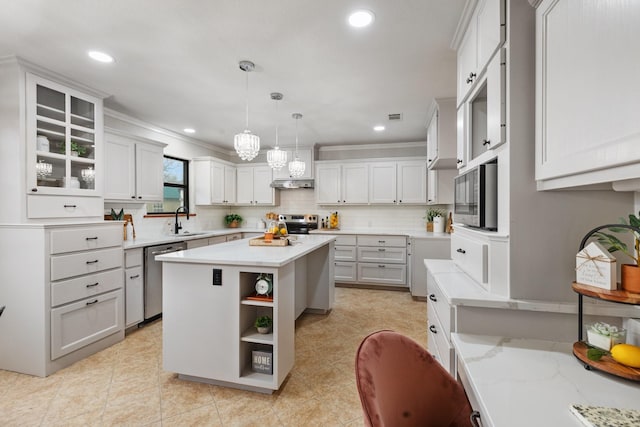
{"x":259,"y":241}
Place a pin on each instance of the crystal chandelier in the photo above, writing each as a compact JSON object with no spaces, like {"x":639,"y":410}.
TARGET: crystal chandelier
{"x":297,"y":166}
{"x":247,"y":145}
{"x":276,"y":158}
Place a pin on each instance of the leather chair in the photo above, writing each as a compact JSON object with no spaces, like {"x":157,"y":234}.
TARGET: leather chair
{"x":401,"y":385}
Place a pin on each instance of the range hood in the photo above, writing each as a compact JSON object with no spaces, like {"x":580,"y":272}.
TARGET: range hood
{"x":285,"y":184}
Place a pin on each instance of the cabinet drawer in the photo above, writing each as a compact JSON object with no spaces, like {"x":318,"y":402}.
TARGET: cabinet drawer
{"x":345,"y":253}
{"x":437,"y":338}
{"x":83,"y":287}
{"x":132,"y":257}
{"x":471,"y":256}
{"x":216,"y":240}
{"x":439,"y":306}
{"x":387,"y":274}
{"x":346,"y":240}
{"x":235,"y":236}
{"x":78,"y":324}
{"x":82,"y":239}
{"x":395,"y":241}
{"x":64,"y":266}
{"x":42,"y":206}
{"x":344,"y":272}
{"x":383,"y":255}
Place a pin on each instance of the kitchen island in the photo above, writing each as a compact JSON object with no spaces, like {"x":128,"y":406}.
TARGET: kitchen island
{"x":209,"y":310}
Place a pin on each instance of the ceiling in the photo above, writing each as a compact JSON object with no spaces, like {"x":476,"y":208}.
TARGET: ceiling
{"x":176,"y":62}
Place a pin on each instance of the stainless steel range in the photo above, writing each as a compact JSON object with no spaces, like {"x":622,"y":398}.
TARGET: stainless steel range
{"x":299,"y":223}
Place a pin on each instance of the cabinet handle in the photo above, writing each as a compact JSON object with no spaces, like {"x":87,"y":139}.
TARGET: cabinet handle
{"x":474,"y":418}
{"x":432,"y":328}
{"x":344,"y":201}
{"x":471,"y":77}
{"x":381,"y":241}
{"x":381,"y":249}
{"x":381,"y":266}
{"x":459,"y":161}
{"x":91,"y":238}
{"x":70,"y":206}
{"x":35,"y":190}
{"x":430,"y":200}
{"x":429,"y":160}
{"x":461,"y":251}
{"x":135,"y":276}
{"x":93,"y":285}
{"x":486,"y":142}
{"x":92,"y":302}
{"x":433,"y":298}
{"x":133,"y":197}
{"x":92,"y":262}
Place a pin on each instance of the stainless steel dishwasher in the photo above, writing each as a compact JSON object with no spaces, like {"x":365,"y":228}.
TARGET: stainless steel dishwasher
{"x":153,"y":277}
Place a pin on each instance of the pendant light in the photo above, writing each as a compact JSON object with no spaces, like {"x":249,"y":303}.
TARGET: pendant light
{"x":247,"y":145}
{"x":297,"y":166}
{"x":276,"y":158}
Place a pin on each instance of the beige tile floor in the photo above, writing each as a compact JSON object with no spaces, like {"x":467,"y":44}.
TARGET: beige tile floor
{"x":126,"y":385}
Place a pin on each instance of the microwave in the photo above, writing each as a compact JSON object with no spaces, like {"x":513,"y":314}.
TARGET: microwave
{"x":476,"y":197}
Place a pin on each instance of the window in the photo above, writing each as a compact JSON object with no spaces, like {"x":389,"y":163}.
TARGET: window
{"x":176,"y":187}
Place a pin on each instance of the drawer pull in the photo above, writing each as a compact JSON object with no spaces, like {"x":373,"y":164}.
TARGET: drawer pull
{"x":92,"y":262}
{"x":433,"y":298}
{"x":91,"y":238}
{"x":71,"y":206}
{"x":92,"y":302}
{"x":382,"y":241}
{"x":474,"y":417}
{"x":135,"y":276}
{"x":432,"y":328}
{"x":381,"y":265}
{"x":93,"y":285}
{"x":461,"y":251}
{"x":381,"y":250}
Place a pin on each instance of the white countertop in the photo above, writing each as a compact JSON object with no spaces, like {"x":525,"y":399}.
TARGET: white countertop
{"x":416,"y":234}
{"x":525,"y":382}
{"x":141,"y":242}
{"x":238,"y":252}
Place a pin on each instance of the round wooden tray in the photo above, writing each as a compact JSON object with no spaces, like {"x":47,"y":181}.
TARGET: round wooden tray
{"x":605,"y":364}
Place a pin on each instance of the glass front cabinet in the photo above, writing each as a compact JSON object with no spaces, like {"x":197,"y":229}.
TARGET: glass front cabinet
{"x":64,"y":140}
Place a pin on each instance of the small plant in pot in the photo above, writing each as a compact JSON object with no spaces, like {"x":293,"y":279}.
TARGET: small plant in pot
{"x":232,"y":220}
{"x":630,"y":272}
{"x":263,"y":324}
{"x":431,"y":214}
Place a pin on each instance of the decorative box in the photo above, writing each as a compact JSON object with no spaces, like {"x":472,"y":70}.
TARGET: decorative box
{"x":595,"y":266}
{"x":605,"y":336}
{"x":262,"y":361}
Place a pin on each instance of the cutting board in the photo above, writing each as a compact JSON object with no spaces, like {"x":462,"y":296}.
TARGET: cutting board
{"x":259,"y":241}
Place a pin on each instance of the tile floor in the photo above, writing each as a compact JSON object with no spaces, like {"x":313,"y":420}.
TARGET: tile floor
{"x":126,"y":385}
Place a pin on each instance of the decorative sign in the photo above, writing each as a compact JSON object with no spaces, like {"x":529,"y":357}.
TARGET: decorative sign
{"x":262,"y":361}
{"x":595,"y":266}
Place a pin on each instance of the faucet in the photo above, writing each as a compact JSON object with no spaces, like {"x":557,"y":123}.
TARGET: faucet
{"x":178,"y":226}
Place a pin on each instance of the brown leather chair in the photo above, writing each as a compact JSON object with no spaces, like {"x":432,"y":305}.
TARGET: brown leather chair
{"x":402,"y":385}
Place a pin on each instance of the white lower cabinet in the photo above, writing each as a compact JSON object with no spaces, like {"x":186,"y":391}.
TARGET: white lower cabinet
{"x":134,"y":286}
{"x":440,"y":320}
{"x":345,"y":272}
{"x":384,"y":274}
{"x":421,"y":249}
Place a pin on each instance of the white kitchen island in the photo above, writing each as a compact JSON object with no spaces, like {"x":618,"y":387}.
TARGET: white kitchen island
{"x":208,"y":332}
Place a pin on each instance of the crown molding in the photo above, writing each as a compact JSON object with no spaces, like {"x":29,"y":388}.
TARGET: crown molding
{"x":463,"y":23}
{"x":386,"y":145}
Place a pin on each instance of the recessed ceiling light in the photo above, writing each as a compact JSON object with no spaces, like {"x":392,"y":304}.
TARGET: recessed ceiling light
{"x":189,"y":130}
{"x":378,"y":128}
{"x":361,"y":18}
{"x":100,"y":56}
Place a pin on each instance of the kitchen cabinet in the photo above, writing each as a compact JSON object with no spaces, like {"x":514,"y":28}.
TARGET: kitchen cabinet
{"x":485,"y":33}
{"x":306,"y":155}
{"x":441,"y":134}
{"x":345,"y":257}
{"x":440,"y":186}
{"x":382,"y":260}
{"x":587,"y":130}
{"x":401,"y":183}
{"x":420,"y":249}
{"x":345,"y":183}
{"x":135,"y":171}
{"x":66,"y":301}
{"x":134,"y":287}
{"x":253,"y":186}
{"x":440,"y":323}
{"x":215,"y":181}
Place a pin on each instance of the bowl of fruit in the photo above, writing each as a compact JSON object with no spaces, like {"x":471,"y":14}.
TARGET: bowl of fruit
{"x":278,"y":229}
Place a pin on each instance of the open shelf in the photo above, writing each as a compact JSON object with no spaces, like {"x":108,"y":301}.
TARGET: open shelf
{"x":251,"y":335}
{"x":606,"y":363}
{"x":614,"y":296}
{"x":257,"y":303}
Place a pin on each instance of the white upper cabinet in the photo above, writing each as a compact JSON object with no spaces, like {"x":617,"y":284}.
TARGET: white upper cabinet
{"x":346,"y":183}
{"x":587,"y":93}
{"x":440,"y":186}
{"x":402,"y":182}
{"x":253,"y":184}
{"x":328,"y":182}
{"x":467,"y":61}
{"x":441,"y":134}
{"x":382,"y":180}
{"x":355,"y":178}
{"x":306,"y":155}
{"x":215,"y":182}
{"x":64,"y":140}
{"x":134,"y":169}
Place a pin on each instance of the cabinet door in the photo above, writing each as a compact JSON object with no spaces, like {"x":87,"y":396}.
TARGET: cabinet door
{"x":355,"y":183}
{"x":328,"y":184}
{"x":229,"y":185}
{"x":244,"y":186}
{"x":432,"y":139}
{"x":440,"y":186}
{"x":217,"y":183}
{"x":202,"y":182}
{"x":496,"y":101}
{"x":461,"y":137}
{"x":149,"y":172}
{"x":263,"y":193}
{"x":382,"y":183}
{"x":120,"y":169}
{"x":134,"y":296}
{"x":412,"y":183}
{"x":491,"y":29}
{"x":345,"y":271}
{"x":467,"y":61}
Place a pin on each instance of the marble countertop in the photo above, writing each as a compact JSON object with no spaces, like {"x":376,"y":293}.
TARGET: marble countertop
{"x":141,"y":242}
{"x":526,"y":382}
{"x":238,"y":252}
{"x":416,"y":234}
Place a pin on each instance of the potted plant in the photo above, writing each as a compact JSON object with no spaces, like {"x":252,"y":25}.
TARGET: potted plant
{"x":263,"y":324}
{"x":431,"y":214}
{"x":630,"y":273}
{"x":232,"y":220}
{"x":77,"y":150}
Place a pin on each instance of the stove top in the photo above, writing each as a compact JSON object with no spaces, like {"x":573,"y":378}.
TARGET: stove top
{"x":299,"y":223}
